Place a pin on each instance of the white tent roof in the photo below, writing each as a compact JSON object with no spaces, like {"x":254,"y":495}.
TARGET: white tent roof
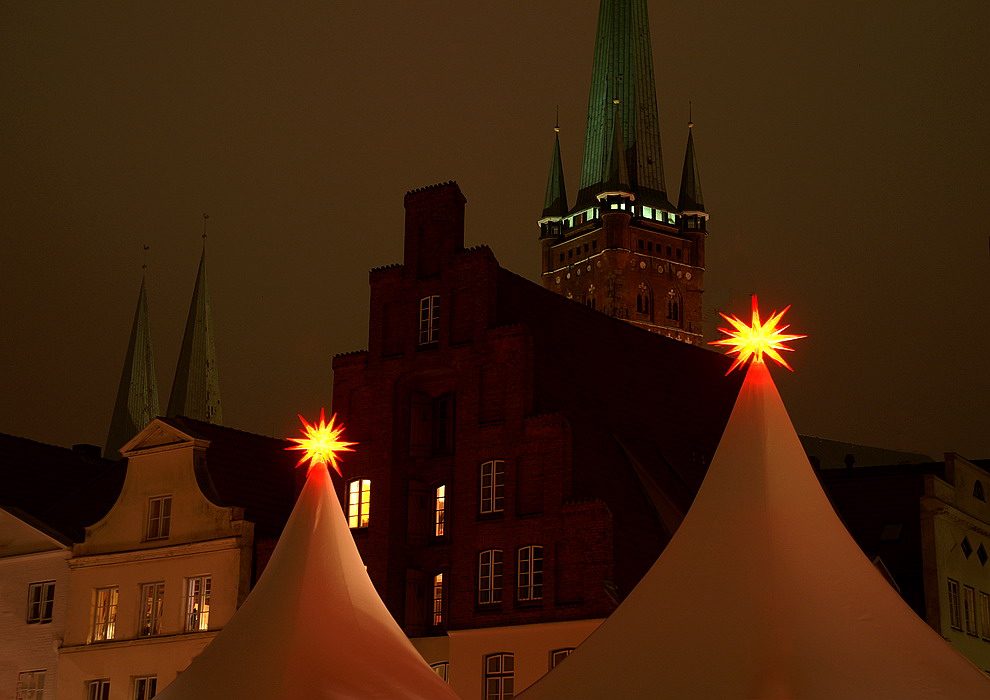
{"x":314,"y":626}
{"x":763,"y":594}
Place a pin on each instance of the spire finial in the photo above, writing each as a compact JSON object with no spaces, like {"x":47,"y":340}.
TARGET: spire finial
{"x":556,"y":122}
{"x":690,"y":117}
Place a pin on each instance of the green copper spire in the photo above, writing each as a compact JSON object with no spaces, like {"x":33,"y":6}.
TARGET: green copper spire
{"x":690,"y":198}
{"x":623,"y":70}
{"x":196,"y":387}
{"x":616,"y":170}
{"x":137,"y":394}
{"x":555,"y":203}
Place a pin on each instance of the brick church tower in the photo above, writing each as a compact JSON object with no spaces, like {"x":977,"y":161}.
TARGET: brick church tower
{"x":622,"y":248}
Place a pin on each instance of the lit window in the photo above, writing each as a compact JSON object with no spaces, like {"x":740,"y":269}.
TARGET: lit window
{"x":438,"y":599}
{"x":105,"y":614}
{"x":440,"y":668}
{"x":152,"y":600}
{"x":145,"y":687}
{"x":159,"y":517}
{"x":31,"y":685}
{"x":955,"y":614}
{"x":499,"y":676}
{"x":358,"y":503}
{"x":41,"y":601}
{"x":558,"y":655}
{"x":429,"y":320}
{"x":985,"y":615}
{"x":969,"y":609}
{"x":492,"y":486}
{"x":439,"y":510}
{"x":490,"y":576}
{"x":529,"y":573}
{"x":98,"y":690}
{"x":198,"y":603}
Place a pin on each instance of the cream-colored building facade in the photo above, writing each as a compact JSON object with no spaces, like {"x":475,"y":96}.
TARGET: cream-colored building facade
{"x":956,"y":540}
{"x":156,"y":577}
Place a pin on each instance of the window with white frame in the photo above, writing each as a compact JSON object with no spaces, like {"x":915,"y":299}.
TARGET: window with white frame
{"x":198,"y":603}
{"x":438,"y":599}
{"x":984,"y":615}
{"x":499,"y":676}
{"x":41,"y":602}
{"x":358,"y":503}
{"x":955,"y":613}
{"x":440,"y":668}
{"x":152,"y":601}
{"x":145,"y":687}
{"x":558,"y":655}
{"x":529,"y":573}
{"x":490,"y":576}
{"x":492,"y":486}
{"x":159,"y":517}
{"x":104,"y":614}
{"x":429,"y":320}
{"x":439,"y":510}
{"x":31,"y":685}
{"x":969,"y":609}
{"x":98,"y":690}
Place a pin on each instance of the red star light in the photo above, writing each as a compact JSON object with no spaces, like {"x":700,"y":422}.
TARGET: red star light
{"x":756,"y":339}
{"x":321,"y":444}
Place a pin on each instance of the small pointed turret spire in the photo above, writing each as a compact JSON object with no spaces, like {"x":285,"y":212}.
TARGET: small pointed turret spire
{"x":196,"y":387}
{"x":137,"y":394}
{"x":690,"y":198}
{"x":555,"y":202}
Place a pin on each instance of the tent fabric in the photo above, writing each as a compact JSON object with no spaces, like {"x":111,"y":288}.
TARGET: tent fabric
{"x":314,"y":627}
{"x":762,"y":594}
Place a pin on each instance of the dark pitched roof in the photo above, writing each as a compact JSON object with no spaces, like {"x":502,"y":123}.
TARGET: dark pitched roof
{"x":623,"y":389}
{"x":62,"y":488}
{"x":245,"y":470}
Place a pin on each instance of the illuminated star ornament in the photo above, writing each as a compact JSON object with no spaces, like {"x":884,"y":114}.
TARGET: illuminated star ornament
{"x":321,"y":443}
{"x":756,"y":339}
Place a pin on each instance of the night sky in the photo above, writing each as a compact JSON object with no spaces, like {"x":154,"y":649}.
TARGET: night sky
{"x":843,"y":150}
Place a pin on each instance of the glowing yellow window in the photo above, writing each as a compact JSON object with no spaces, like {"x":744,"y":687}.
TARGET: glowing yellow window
{"x":358,"y":502}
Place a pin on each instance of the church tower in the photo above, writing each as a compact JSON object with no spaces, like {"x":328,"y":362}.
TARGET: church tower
{"x":623,"y":248}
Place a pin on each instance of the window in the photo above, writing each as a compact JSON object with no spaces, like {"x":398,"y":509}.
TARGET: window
{"x":198,"y":603}
{"x":152,"y":599}
{"x":492,"y":486}
{"x":429,"y":320}
{"x":499,"y":676}
{"x":145,"y":687}
{"x":442,"y":438}
{"x":159,"y":517}
{"x":31,"y":685}
{"x":98,"y":690}
{"x":529,"y":573}
{"x":558,"y":655}
{"x":985,"y":615}
{"x":41,"y":601}
{"x":440,"y":668}
{"x":490,"y":577}
{"x":358,"y":503}
{"x":969,"y":609}
{"x":955,"y":616}
{"x":439,"y":510}
{"x":105,"y":614}
{"x":978,"y":493}
{"x":438,"y":599}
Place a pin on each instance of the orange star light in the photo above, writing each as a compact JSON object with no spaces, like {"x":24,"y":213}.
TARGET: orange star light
{"x":754,"y":340}
{"x":321,"y":443}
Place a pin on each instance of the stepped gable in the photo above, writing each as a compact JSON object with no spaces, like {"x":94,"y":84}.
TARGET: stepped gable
{"x":249,"y":471}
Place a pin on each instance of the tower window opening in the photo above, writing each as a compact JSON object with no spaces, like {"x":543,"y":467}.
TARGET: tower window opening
{"x":649,"y":246}
{"x":639,"y":244}
{"x":594,"y":244}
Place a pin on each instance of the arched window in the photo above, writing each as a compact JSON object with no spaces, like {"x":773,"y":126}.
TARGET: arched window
{"x":978,"y":491}
{"x":358,"y":503}
{"x":673,"y":306}
{"x":499,"y":676}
